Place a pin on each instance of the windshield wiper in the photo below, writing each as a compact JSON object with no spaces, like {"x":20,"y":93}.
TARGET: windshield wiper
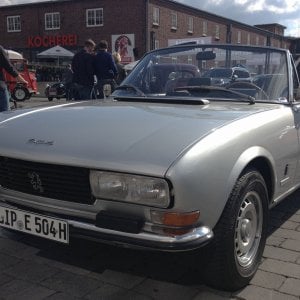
{"x":216,"y":89}
{"x":187,"y":100}
{"x":132,"y":87}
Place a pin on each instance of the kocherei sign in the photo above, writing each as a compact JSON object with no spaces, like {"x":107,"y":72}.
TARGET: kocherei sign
{"x":52,"y":40}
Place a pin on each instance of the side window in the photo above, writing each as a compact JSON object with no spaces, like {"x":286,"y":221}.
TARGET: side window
{"x":296,"y":69}
{"x":241,"y":74}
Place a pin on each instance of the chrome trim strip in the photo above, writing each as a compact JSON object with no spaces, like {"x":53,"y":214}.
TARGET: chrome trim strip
{"x":200,"y":234}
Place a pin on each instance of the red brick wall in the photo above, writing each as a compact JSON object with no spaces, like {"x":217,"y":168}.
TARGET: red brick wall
{"x":120,"y":17}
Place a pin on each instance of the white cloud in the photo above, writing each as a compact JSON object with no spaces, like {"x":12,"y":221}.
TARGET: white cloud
{"x":253,"y":12}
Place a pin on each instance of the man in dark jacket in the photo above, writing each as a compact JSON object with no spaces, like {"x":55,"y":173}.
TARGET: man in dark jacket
{"x":83,"y":70}
{"x":9,"y":68}
{"x":105,"y":68}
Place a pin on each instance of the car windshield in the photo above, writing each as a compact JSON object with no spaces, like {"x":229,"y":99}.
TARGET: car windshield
{"x":212,"y":72}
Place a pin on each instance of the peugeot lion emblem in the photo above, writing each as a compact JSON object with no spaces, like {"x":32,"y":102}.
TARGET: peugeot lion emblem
{"x":36,"y":181}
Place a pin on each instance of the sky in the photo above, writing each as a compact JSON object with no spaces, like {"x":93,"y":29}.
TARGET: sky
{"x":251,"y":12}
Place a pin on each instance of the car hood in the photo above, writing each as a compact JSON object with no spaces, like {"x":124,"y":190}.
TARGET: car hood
{"x":135,"y":137}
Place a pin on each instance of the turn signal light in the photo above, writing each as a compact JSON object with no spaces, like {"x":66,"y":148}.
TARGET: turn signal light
{"x":175,"y":219}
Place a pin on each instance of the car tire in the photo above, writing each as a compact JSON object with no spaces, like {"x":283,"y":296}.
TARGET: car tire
{"x":240,"y":235}
{"x":50,"y":98}
{"x":19,"y":93}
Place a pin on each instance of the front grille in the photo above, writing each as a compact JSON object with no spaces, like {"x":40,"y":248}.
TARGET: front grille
{"x":46,"y":180}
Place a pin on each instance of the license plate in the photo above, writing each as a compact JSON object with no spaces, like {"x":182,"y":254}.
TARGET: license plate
{"x":35,"y":224}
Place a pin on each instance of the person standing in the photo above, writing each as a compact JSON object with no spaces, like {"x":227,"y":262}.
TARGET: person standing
{"x":120,"y":67}
{"x":9,"y":68}
{"x":105,"y":68}
{"x":83,"y":71}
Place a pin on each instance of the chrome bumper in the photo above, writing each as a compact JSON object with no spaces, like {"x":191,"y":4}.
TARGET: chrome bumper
{"x":84,"y":228}
{"x":196,"y":238}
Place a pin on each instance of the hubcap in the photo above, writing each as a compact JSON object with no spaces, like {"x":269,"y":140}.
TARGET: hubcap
{"x":20,"y":94}
{"x":248,"y":229}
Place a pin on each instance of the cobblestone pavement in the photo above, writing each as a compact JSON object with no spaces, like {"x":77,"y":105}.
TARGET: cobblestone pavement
{"x":32,"y":268}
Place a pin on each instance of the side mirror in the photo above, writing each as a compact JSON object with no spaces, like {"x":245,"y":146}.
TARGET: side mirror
{"x":234,"y":78}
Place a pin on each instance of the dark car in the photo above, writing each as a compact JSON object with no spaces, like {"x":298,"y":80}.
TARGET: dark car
{"x":224,"y":76}
{"x":56,"y":90}
{"x":165,"y":77}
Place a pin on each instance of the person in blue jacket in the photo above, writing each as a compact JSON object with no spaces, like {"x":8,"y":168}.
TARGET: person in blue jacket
{"x":105,"y":68}
{"x":83,"y":71}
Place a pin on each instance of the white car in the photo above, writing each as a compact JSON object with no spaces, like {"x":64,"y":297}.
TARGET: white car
{"x":172,"y":168}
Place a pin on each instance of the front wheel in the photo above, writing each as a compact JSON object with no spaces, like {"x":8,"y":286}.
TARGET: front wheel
{"x":240,"y":234}
{"x":20,"y":94}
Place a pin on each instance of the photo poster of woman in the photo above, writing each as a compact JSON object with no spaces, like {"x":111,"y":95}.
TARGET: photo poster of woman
{"x":124,"y":45}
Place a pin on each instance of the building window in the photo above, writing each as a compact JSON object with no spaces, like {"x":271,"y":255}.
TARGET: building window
{"x":13,"y":24}
{"x":156,"y":44}
{"x":248,"y":39}
{"x":204,"y":29}
{"x":174,"y":20}
{"x":257,"y":40}
{"x":190,"y":24}
{"x":155,"y":16}
{"x":94,"y":17}
{"x":239,"y":37}
{"x":52,"y":21}
{"x":217,"y":34}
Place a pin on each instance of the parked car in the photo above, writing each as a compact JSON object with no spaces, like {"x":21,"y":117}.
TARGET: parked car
{"x":195,"y":167}
{"x":55,"y":90}
{"x":224,"y":76}
{"x":20,"y":91}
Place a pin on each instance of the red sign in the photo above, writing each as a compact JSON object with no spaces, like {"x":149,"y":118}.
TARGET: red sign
{"x":52,"y":40}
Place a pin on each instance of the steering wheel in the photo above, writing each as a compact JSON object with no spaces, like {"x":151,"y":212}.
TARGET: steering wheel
{"x":245,"y":84}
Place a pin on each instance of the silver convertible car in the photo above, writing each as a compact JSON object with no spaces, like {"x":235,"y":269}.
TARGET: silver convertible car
{"x":170,"y":162}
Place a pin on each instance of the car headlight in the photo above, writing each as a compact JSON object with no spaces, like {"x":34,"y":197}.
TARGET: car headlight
{"x":130,"y":188}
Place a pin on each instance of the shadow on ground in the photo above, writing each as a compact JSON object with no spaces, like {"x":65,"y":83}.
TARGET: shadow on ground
{"x":168,"y":267}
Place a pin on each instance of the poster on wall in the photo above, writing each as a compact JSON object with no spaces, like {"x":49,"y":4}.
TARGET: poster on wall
{"x":124,"y":45}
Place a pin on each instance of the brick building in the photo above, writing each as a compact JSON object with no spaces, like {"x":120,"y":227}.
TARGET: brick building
{"x":130,"y":26}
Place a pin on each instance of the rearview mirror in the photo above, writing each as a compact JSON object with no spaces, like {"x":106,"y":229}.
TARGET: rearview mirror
{"x":206,"y":55}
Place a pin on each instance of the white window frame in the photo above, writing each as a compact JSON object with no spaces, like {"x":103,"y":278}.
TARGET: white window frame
{"x":190,"y":24}
{"x":257,"y":40}
{"x":13,"y":23}
{"x":248,"y":39}
{"x":94,"y":17}
{"x":204,"y":28}
{"x":155,"y":16}
{"x":217,"y":33}
{"x":239,"y":37}
{"x":174,"y":18}
{"x":53,"y":23}
{"x":156,"y":44}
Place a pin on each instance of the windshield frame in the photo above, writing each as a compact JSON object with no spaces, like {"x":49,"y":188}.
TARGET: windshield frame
{"x":149,"y":57}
